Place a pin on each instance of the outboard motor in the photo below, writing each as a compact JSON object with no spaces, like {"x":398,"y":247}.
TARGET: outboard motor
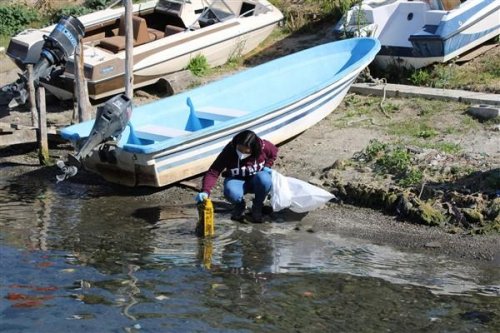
{"x":57,"y":48}
{"x":111,"y":120}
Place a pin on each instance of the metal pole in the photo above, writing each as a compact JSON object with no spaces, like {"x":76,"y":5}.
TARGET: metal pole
{"x":129,"y":46}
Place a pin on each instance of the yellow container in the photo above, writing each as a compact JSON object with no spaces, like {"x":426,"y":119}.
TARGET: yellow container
{"x":205,"y":225}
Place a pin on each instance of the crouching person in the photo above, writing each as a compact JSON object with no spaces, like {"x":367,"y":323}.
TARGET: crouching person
{"x":246,"y":164}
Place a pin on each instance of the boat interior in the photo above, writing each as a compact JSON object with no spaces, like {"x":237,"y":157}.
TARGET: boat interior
{"x":180,"y":123}
{"x":159,"y":22}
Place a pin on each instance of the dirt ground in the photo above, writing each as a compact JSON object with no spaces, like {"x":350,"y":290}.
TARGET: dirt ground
{"x":304,"y":157}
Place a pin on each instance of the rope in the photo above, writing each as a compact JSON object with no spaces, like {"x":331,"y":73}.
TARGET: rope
{"x":367,"y":77}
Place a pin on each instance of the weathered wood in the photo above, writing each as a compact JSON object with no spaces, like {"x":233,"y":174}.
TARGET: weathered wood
{"x":174,"y":83}
{"x":17,"y":137}
{"x":195,"y":186}
{"x":31,"y":96}
{"x":129,"y":45}
{"x":400,"y":90}
{"x":43,"y":144}
{"x":475,"y":53}
{"x":83,"y":103}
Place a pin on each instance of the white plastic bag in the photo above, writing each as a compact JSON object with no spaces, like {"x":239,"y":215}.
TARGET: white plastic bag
{"x":306,"y":197}
{"x":296,"y":194}
{"x":281,"y":197}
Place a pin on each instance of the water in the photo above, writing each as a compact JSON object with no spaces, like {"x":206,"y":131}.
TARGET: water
{"x":78,"y":258}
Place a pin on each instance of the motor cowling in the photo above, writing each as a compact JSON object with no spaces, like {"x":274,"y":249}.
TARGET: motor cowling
{"x":111,"y":119}
{"x":57,"y":48}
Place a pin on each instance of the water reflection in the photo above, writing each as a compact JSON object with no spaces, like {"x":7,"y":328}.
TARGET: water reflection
{"x":133,"y":264}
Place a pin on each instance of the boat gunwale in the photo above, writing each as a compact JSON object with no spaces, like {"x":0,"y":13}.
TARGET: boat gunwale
{"x":174,"y":144}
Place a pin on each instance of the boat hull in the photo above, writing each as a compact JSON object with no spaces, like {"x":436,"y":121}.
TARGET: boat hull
{"x":300,"y":93}
{"x":414,"y":35}
{"x":152,"y":67}
{"x":104,"y":60}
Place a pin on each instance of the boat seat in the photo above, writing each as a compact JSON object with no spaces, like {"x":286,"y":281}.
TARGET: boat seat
{"x":172,"y":29}
{"x":451,"y":4}
{"x":141,"y":35}
{"x":218,"y":113}
{"x":158,"y":133}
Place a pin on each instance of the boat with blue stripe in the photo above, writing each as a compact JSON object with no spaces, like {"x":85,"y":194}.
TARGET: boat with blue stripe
{"x":178,"y":137}
{"x":417,"y":33}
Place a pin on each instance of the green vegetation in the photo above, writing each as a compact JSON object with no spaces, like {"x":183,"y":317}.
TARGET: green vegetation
{"x":302,"y":17}
{"x":413,"y":176}
{"x":14,"y":18}
{"x":484,"y":75}
{"x":374,"y":149}
{"x":395,"y":161}
{"x":199,"y":65}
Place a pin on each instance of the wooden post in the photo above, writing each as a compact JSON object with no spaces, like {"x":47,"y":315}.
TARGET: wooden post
{"x":32,"y":97}
{"x":84,"y":107}
{"x":129,"y":46}
{"x":43,"y":142}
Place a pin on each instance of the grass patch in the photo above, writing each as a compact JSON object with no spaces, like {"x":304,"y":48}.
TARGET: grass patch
{"x":412,"y":128}
{"x":413,"y":176}
{"x":199,"y":65}
{"x":483,"y":75}
{"x":396,"y":161}
{"x":443,"y":146}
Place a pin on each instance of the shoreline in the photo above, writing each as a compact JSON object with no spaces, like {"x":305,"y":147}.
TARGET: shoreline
{"x":449,"y":151}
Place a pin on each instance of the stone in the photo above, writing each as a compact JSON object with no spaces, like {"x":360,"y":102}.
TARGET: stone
{"x":473,"y":215}
{"x":484,"y":111}
{"x":428,"y":215}
{"x":433,"y":245}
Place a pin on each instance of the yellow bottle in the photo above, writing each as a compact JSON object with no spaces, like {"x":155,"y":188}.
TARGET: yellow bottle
{"x":205,"y":225}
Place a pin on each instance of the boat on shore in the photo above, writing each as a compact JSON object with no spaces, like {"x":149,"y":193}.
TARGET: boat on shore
{"x":167,"y":35}
{"x":178,"y":137}
{"x":417,"y":33}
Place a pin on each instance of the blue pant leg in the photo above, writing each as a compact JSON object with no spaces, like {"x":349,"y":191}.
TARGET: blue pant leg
{"x":233,"y":190}
{"x":261,"y":186}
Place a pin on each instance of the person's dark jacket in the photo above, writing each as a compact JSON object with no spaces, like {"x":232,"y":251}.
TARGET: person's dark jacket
{"x":229,"y":165}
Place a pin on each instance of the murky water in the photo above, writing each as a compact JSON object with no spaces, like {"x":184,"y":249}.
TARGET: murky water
{"x":78,"y":258}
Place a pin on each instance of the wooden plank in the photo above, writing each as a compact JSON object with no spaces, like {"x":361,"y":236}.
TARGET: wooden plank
{"x":129,"y":49}
{"x":43,"y":145}
{"x":18,"y":137}
{"x":32,"y":97}
{"x":401,"y":90}
{"x":475,"y":53}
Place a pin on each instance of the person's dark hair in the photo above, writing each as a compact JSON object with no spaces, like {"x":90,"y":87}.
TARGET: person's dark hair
{"x":249,"y":139}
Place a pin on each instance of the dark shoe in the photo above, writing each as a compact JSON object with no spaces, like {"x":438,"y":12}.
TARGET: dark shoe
{"x":238,"y":211}
{"x":257,"y":215}
{"x":267,"y":210}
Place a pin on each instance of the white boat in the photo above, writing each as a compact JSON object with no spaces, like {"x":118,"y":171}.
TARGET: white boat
{"x":180,"y":136}
{"x":417,"y":33}
{"x":167,"y":35}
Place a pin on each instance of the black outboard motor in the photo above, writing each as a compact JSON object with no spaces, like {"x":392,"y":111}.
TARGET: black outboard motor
{"x":57,"y":48}
{"x":111,"y":120}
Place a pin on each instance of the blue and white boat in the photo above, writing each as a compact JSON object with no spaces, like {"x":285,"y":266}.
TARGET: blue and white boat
{"x":180,"y":136}
{"x":417,"y":33}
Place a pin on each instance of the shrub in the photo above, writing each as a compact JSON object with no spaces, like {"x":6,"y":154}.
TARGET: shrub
{"x":97,"y":4}
{"x":199,"y":65}
{"x":15,"y":18}
{"x":69,"y":11}
{"x":374,"y":149}
{"x":396,"y":161}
